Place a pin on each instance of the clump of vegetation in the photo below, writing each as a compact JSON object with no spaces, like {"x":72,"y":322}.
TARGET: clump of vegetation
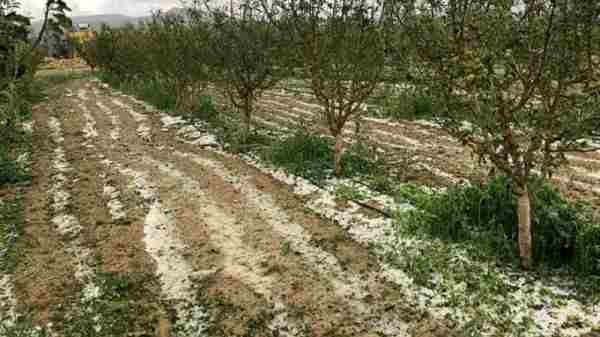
{"x":304,"y":155}
{"x":19,"y":60}
{"x":151,"y":90}
{"x":11,"y":227}
{"x":124,"y":307}
{"x":349,"y":193}
{"x":567,"y":234}
{"x":408,"y":103}
{"x":311,"y":156}
{"x":207,"y":110}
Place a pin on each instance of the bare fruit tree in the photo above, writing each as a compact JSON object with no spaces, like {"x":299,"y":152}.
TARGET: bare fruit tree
{"x":246,"y":46}
{"x":179,"y":55}
{"x":520,"y":83}
{"x":343,"y":51}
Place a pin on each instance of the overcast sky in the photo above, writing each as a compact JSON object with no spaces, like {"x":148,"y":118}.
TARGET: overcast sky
{"x":33,"y":8}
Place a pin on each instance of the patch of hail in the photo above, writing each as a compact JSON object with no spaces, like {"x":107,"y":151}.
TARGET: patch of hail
{"x":241,"y":261}
{"x":28,"y":126}
{"x":114,"y":120}
{"x":550,"y":314}
{"x":163,"y":245}
{"x":143,"y":130}
{"x":65,"y":222}
{"x":24,"y":162}
{"x":81,"y":94}
{"x":8,"y":302}
{"x":190,"y":134}
{"x":146,"y":106}
{"x":347,"y":286}
{"x":115,"y":206}
{"x":89,"y":129}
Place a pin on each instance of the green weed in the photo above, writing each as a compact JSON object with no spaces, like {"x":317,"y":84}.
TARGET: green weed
{"x":125,"y":306}
{"x":11,"y":227}
{"x":349,"y":193}
{"x":406,"y":104}
{"x":311,"y":156}
{"x":303,"y":154}
{"x":23,"y":328}
{"x":207,"y":110}
{"x":152,"y":90}
{"x":566,"y":234}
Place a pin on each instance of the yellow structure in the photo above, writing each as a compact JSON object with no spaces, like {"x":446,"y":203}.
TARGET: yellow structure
{"x":81,"y":36}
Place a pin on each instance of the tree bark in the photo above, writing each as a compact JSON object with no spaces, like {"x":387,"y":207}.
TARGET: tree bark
{"x":525,"y":241}
{"x":38,"y":40}
{"x":338,"y":153}
{"x":247,"y":118}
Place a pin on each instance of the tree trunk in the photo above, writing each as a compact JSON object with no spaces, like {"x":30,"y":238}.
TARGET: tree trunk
{"x":181,"y":96}
{"x":525,"y":244}
{"x":339,"y":152}
{"x":40,"y":36}
{"x":247,"y":118}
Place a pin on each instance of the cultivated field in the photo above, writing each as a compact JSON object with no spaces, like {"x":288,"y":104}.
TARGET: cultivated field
{"x":137,"y":223}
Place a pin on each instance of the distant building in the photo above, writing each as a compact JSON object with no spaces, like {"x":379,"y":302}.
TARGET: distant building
{"x":81,"y":27}
{"x":80,"y":33}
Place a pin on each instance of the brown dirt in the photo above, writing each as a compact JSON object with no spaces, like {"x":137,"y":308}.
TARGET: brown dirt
{"x":45,"y":274}
{"x":118,"y":245}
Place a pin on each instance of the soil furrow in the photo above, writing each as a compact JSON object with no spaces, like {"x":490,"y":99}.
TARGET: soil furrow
{"x":67,"y":223}
{"x":45,"y":275}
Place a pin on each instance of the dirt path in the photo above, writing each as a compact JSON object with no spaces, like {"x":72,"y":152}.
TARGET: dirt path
{"x":181,"y":240}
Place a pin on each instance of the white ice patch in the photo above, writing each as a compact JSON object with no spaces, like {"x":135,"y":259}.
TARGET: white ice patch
{"x":115,"y":207}
{"x":166,"y":249}
{"x":188,"y":133}
{"x":118,"y":103}
{"x":28,"y":126}
{"x":169,"y":121}
{"x":440,"y":173}
{"x":143,"y":130}
{"x":24,"y":162}
{"x":114,"y":120}
{"x":300,"y":185}
{"x":8,"y":302}
{"x":81,"y":94}
{"x":89,"y":129}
